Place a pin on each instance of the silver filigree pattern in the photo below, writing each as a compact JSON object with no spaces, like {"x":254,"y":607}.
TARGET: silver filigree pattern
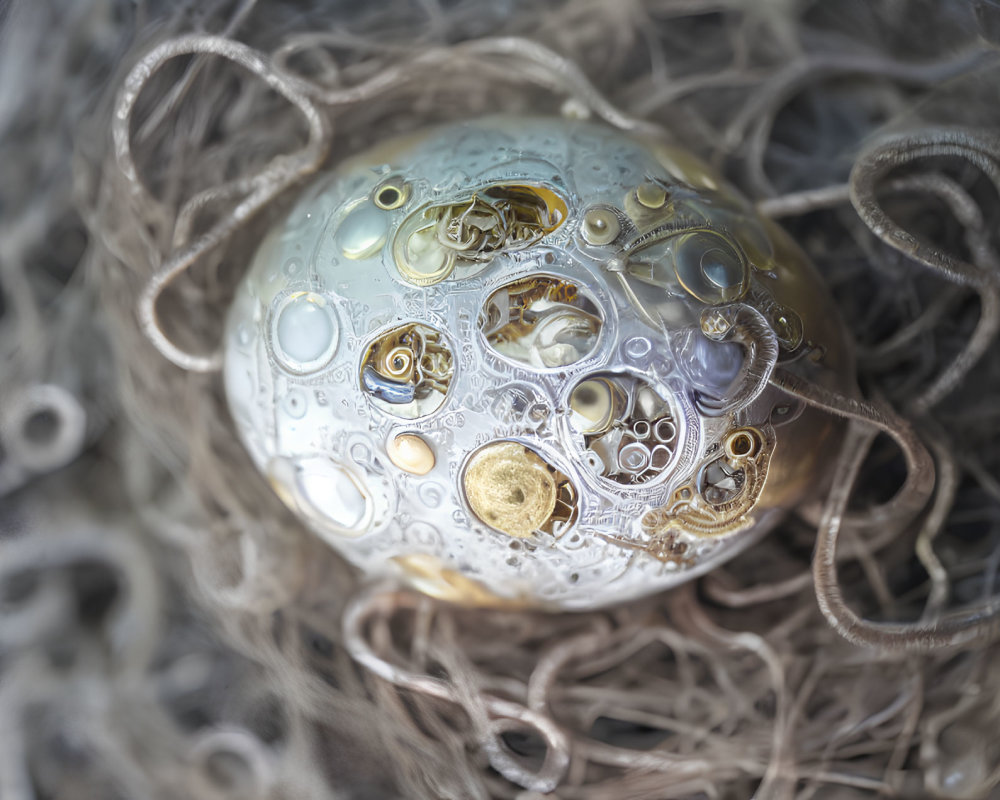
{"x":531,"y":331}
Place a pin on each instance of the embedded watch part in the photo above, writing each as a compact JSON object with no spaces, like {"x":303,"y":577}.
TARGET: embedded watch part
{"x":527,"y":361}
{"x":542,"y":321}
{"x":407,"y":370}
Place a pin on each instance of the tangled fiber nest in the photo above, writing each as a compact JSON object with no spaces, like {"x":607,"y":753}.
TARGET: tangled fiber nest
{"x":168,"y":630}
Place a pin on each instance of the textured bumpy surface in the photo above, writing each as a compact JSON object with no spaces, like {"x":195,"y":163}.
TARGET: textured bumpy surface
{"x":528,"y":361}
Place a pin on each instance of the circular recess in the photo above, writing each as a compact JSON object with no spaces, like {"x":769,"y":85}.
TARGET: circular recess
{"x":628,"y":428}
{"x":406,"y":371}
{"x":600,"y":225}
{"x":541,"y":321}
{"x":420,"y":258}
{"x":637,"y":347}
{"x":514,"y":490}
{"x":304,"y":332}
{"x":595,"y":404}
{"x":720,"y":482}
{"x":742,"y":443}
{"x":464,"y":235}
{"x":710,"y":267}
{"x":430,"y":575}
{"x":391,"y":194}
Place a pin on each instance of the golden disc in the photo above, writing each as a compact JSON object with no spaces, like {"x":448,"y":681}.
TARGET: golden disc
{"x":510,"y":488}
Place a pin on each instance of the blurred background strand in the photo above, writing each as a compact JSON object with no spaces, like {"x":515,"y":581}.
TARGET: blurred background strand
{"x":169,"y":630}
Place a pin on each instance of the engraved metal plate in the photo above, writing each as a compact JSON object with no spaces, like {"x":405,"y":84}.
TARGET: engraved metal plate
{"x":525,"y":360}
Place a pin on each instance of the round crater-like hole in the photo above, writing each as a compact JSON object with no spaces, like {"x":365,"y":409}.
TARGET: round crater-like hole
{"x":459,"y":238}
{"x":742,"y":444}
{"x":541,"y":321}
{"x":629,"y":431}
{"x":330,"y":494}
{"x":720,"y":482}
{"x":391,"y":194}
{"x":408,"y":370}
{"x":42,"y":427}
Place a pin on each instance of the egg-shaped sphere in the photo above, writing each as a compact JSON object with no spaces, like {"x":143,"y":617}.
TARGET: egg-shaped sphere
{"x":524,"y":360}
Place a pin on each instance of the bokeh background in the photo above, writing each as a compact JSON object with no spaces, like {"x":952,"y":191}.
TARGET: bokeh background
{"x":168,"y":630}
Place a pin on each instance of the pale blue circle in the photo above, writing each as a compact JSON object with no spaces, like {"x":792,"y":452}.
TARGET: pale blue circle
{"x":305,"y":333}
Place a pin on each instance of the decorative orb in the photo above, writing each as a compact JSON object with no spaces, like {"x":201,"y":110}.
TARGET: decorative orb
{"x":527,"y":360}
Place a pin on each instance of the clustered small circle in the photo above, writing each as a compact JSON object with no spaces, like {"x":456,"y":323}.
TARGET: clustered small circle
{"x":629,"y":430}
{"x":492,"y":328}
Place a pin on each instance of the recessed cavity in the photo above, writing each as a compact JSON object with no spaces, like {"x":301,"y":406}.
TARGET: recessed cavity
{"x":542,"y":322}
{"x":407,"y":371}
{"x":325,"y":491}
{"x":391,"y":194}
{"x":600,"y":226}
{"x":465,"y":235}
{"x":628,"y":428}
{"x":710,"y":267}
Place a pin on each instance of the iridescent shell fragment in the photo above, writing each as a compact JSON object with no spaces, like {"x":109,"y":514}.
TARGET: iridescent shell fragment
{"x":526,"y":361}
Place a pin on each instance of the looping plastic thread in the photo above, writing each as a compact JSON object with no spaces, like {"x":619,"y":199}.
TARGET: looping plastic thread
{"x":982,"y":149}
{"x":525,"y":60}
{"x":260,"y":189}
{"x":556,"y":762}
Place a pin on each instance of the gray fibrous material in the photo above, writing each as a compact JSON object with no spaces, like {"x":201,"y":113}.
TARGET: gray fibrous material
{"x":169,"y":629}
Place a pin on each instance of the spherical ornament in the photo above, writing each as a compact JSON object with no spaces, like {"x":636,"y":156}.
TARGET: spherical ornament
{"x":527,"y":361}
